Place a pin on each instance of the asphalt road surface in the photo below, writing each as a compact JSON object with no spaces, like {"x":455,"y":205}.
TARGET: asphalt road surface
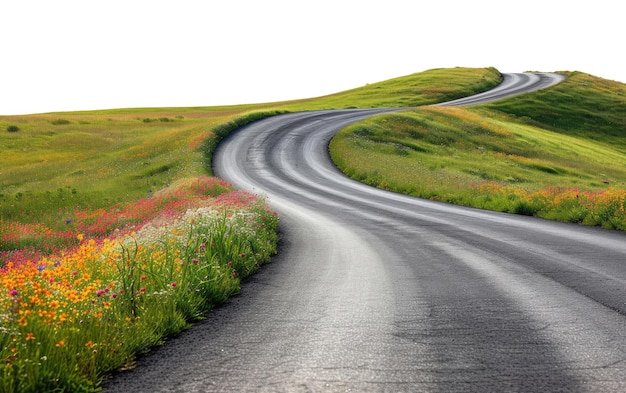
{"x":378,"y":292}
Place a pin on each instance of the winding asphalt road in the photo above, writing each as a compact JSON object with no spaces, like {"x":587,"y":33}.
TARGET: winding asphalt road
{"x":375,"y":291}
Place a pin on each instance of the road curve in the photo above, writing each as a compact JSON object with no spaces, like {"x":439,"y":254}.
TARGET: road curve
{"x":376,"y":291}
{"x":512,"y":84}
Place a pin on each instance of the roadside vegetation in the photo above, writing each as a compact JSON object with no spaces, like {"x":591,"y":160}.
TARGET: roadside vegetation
{"x":70,"y":317}
{"x":558,"y":153}
{"x":114,"y":235}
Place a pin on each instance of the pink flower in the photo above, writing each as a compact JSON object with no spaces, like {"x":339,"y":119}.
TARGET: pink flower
{"x":13,"y":292}
{"x":174,"y":284}
{"x":143,"y":278}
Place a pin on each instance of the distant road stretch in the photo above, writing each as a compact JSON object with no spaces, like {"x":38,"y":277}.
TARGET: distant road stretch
{"x":376,"y":291}
{"x":512,"y":84}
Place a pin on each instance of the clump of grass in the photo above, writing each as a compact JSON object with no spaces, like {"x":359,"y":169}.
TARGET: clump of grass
{"x":12,"y":128}
{"x":59,"y":122}
{"x":161,"y":119}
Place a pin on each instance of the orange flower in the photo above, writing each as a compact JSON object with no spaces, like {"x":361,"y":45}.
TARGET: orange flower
{"x":60,"y":343}
{"x":29,"y":336}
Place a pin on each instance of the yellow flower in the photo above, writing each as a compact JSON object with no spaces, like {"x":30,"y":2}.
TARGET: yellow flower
{"x":80,"y":237}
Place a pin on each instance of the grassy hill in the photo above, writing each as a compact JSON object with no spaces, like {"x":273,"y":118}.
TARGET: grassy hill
{"x":556,"y":153}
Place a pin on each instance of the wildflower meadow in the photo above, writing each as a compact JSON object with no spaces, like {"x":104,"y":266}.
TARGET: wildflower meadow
{"x":117,"y":282}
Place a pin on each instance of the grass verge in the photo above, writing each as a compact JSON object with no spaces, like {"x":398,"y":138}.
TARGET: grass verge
{"x":69,"y":319}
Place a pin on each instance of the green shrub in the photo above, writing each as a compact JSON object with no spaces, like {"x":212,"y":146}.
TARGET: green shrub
{"x":13,"y":128}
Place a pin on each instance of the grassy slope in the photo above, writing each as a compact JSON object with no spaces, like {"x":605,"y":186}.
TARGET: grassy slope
{"x":92,"y":159}
{"x":95,"y":159}
{"x":571,"y":135}
{"x":585,"y":106}
{"x":429,"y":87}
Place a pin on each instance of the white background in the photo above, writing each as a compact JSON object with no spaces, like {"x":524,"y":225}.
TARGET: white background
{"x":91,"y":54}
